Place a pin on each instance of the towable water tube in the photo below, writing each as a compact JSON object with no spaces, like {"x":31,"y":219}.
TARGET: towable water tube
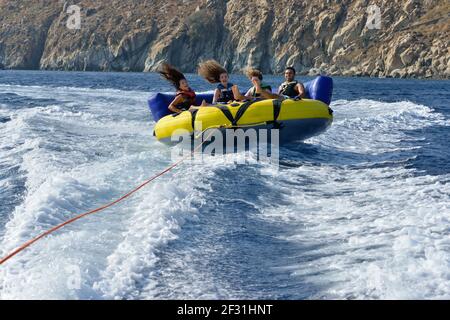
{"x":296,"y":119}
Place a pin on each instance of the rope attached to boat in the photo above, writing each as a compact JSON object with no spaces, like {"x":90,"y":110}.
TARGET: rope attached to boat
{"x":82,"y":215}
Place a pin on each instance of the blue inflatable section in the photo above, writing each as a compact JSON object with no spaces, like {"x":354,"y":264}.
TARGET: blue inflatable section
{"x":158,"y":103}
{"x":321,"y":88}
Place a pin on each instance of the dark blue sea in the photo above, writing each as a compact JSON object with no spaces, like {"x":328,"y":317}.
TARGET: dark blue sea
{"x":361,"y":211}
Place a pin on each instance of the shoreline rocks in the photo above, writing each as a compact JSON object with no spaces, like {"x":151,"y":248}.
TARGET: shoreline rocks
{"x":330,"y":37}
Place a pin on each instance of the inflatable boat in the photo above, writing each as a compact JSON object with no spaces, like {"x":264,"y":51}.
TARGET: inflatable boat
{"x":296,"y":120}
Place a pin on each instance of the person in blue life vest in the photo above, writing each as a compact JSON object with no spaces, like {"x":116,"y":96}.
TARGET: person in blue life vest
{"x":289,"y":89}
{"x":185,"y":96}
{"x":213,"y":72}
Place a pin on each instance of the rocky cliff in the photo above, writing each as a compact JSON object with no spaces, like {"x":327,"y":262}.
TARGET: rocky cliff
{"x":336,"y":37}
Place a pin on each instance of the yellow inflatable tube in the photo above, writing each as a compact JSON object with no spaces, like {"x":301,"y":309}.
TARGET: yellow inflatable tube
{"x":304,"y":113}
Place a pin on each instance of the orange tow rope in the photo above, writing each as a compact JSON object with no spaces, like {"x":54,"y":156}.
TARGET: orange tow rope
{"x":30,"y":242}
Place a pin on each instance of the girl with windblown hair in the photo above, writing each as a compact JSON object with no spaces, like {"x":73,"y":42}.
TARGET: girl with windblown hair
{"x":213,"y":72}
{"x":185,"y":96}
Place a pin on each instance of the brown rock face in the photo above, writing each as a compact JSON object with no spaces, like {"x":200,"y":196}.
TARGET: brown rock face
{"x":318,"y":36}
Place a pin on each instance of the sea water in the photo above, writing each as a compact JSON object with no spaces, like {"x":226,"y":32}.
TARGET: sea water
{"x":359,"y":212}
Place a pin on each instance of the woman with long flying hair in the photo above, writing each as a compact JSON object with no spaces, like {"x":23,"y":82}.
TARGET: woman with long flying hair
{"x":213,"y":72}
{"x":185,"y":96}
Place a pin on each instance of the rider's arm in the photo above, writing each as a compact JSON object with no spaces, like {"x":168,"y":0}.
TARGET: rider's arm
{"x":301,"y":90}
{"x":172,"y":105}
{"x":216,"y":96}
{"x":237,"y":93}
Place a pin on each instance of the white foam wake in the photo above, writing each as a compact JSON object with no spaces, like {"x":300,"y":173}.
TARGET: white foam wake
{"x":379,"y":229}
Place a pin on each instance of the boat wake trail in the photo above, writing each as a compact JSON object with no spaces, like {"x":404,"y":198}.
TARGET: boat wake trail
{"x":352,"y":213}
